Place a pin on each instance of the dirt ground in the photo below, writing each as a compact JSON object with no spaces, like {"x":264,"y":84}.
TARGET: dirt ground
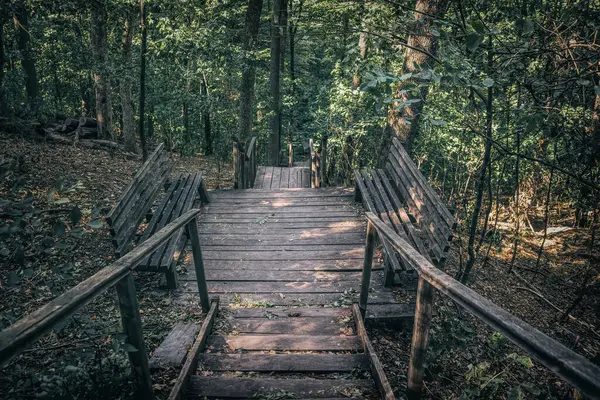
{"x":85,"y":357}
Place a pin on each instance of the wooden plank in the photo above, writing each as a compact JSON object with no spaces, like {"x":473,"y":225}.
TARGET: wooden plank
{"x":174,"y":348}
{"x":282,"y":287}
{"x":285,"y":178}
{"x":293,"y":265}
{"x":248,"y":388}
{"x":294,"y":181}
{"x":191,"y":363}
{"x":281,"y":193}
{"x":263,"y":275}
{"x":390,"y":312}
{"x":276,"y":210}
{"x":260,"y":177}
{"x":283,"y":247}
{"x":355,"y":237}
{"x":305,"y":178}
{"x":297,"y":326}
{"x":276,"y":181}
{"x":293,"y":202}
{"x":268,"y":178}
{"x":385,"y":389}
{"x":290,"y":313}
{"x":294,"y":299}
{"x":322,"y":363}
{"x":284,"y":343}
{"x":263,"y":216}
{"x":357,"y":253}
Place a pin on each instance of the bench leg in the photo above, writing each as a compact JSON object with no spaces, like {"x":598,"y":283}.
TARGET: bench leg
{"x":172,"y":280}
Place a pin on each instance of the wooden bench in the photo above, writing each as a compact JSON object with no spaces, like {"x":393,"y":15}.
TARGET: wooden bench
{"x":136,"y":202}
{"x":402,"y":198}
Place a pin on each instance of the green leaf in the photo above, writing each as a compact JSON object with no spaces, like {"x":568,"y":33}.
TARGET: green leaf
{"x":523,"y":360}
{"x":534,"y":390}
{"x":488,"y":82}
{"x":62,"y":200}
{"x":75,"y":215}
{"x":60,"y":228}
{"x":95,"y":224}
{"x":473,"y":41}
{"x":50,"y":195}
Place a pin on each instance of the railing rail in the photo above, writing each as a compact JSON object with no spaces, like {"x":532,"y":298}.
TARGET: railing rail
{"x":318,"y":163}
{"x":23,"y":333}
{"x":567,"y":364}
{"x":245,"y":164}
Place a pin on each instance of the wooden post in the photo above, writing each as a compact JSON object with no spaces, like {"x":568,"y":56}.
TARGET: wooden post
{"x":290,"y":155}
{"x":317,"y":169}
{"x":132,"y":326}
{"x":366,"y":272}
{"x":313,"y":165}
{"x":245,"y":171}
{"x":322,"y":163}
{"x":192,"y":228}
{"x":418,"y":350}
{"x":236,"y":166}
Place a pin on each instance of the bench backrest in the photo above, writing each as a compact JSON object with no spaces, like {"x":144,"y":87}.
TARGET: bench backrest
{"x":426,"y":207}
{"x":137,"y":198}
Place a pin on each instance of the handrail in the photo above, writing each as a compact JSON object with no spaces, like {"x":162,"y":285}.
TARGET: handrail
{"x":244,"y":164}
{"x":23,"y":333}
{"x":317,"y":163}
{"x":564,"y":362}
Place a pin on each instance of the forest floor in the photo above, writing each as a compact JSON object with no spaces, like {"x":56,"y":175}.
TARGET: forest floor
{"x":84,"y":357}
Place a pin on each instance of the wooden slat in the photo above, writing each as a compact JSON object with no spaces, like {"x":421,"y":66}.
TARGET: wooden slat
{"x":299,"y":299}
{"x":285,"y":362}
{"x":390,"y":312}
{"x":276,"y":181}
{"x":294,"y":181}
{"x":248,"y":388}
{"x":356,"y":253}
{"x":268,"y":178}
{"x":284,"y":247}
{"x":290,"y":313}
{"x":260,"y":177}
{"x":264,"y":275}
{"x":283,"y":287}
{"x":191,"y":363}
{"x":305,"y":178}
{"x":285,"y":178}
{"x":385,"y":389}
{"x":284,"y":202}
{"x":284,"y":343}
{"x":327,"y":209}
{"x":297,"y":326}
{"x":280,"y":193}
{"x":293,"y":265}
{"x":295,"y":238}
{"x":172,"y":351}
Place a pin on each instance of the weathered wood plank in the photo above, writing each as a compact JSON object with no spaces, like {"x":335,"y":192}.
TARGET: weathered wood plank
{"x":284,"y":362}
{"x":292,"y":265}
{"x":191,"y":363}
{"x":385,"y":389}
{"x":248,"y":388}
{"x":296,"y":326}
{"x":290,"y":313}
{"x":294,"y":238}
{"x":280,"y":193}
{"x":282,"y":287}
{"x":285,"y":202}
{"x":174,"y":348}
{"x":306,"y":178}
{"x":357,"y":253}
{"x":285,"y":178}
{"x":265,"y":275}
{"x":260,"y":177}
{"x":327,"y":209}
{"x":276,"y":181}
{"x":284,"y":247}
{"x":294,"y":181}
{"x":268,"y":178}
{"x":284,"y":343}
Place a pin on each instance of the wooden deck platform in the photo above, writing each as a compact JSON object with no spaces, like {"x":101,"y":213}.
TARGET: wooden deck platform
{"x":286,"y":266}
{"x":282,"y":177}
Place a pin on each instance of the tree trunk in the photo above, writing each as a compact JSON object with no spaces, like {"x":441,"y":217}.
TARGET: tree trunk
{"x":21,"y":21}
{"x":3,"y":108}
{"x":249,"y":72}
{"x":100,"y":54}
{"x":208,"y":139}
{"x":274,"y":82}
{"x":125,"y":86}
{"x":362,"y":45}
{"x":405,"y":123}
{"x":143,"y":79}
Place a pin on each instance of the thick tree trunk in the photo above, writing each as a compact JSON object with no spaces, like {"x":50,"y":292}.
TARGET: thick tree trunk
{"x":3,"y":108}
{"x":125,"y":86}
{"x":423,"y":45}
{"x":249,"y":72}
{"x":100,"y":54}
{"x":275,"y":82}
{"x":143,"y":79}
{"x":21,"y":21}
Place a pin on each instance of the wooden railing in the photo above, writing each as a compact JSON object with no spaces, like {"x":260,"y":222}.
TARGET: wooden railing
{"x":23,"y":333}
{"x":244,"y":164}
{"x":567,"y":364}
{"x":318,"y":163}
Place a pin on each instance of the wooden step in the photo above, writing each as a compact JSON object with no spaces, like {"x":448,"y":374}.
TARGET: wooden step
{"x":278,"y":276}
{"x":291,"y":265}
{"x":227,"y":388}
{"x":284,"y":343}
{"x":249,"y":362}
{"x":297,"y":326}
{"x":172,"y":351}
{"x":289,"y":313}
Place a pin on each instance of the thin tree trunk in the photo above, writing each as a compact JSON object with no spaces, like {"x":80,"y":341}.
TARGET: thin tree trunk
{"x":249,"y":70}
{"x":3,"y":108}
{"x":275,"y":82}
{"x":208,"y":139}
{"x":546,"y":220}
{"x":405,"y":124}
{"x":100,"y":54}
{"x":488,"y":209}
{"x":143,"y":79}
{"x":125,"y":86}
{"x":482,"y":174}
{"x":517,"y":199}
{"x":21,"y":21}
